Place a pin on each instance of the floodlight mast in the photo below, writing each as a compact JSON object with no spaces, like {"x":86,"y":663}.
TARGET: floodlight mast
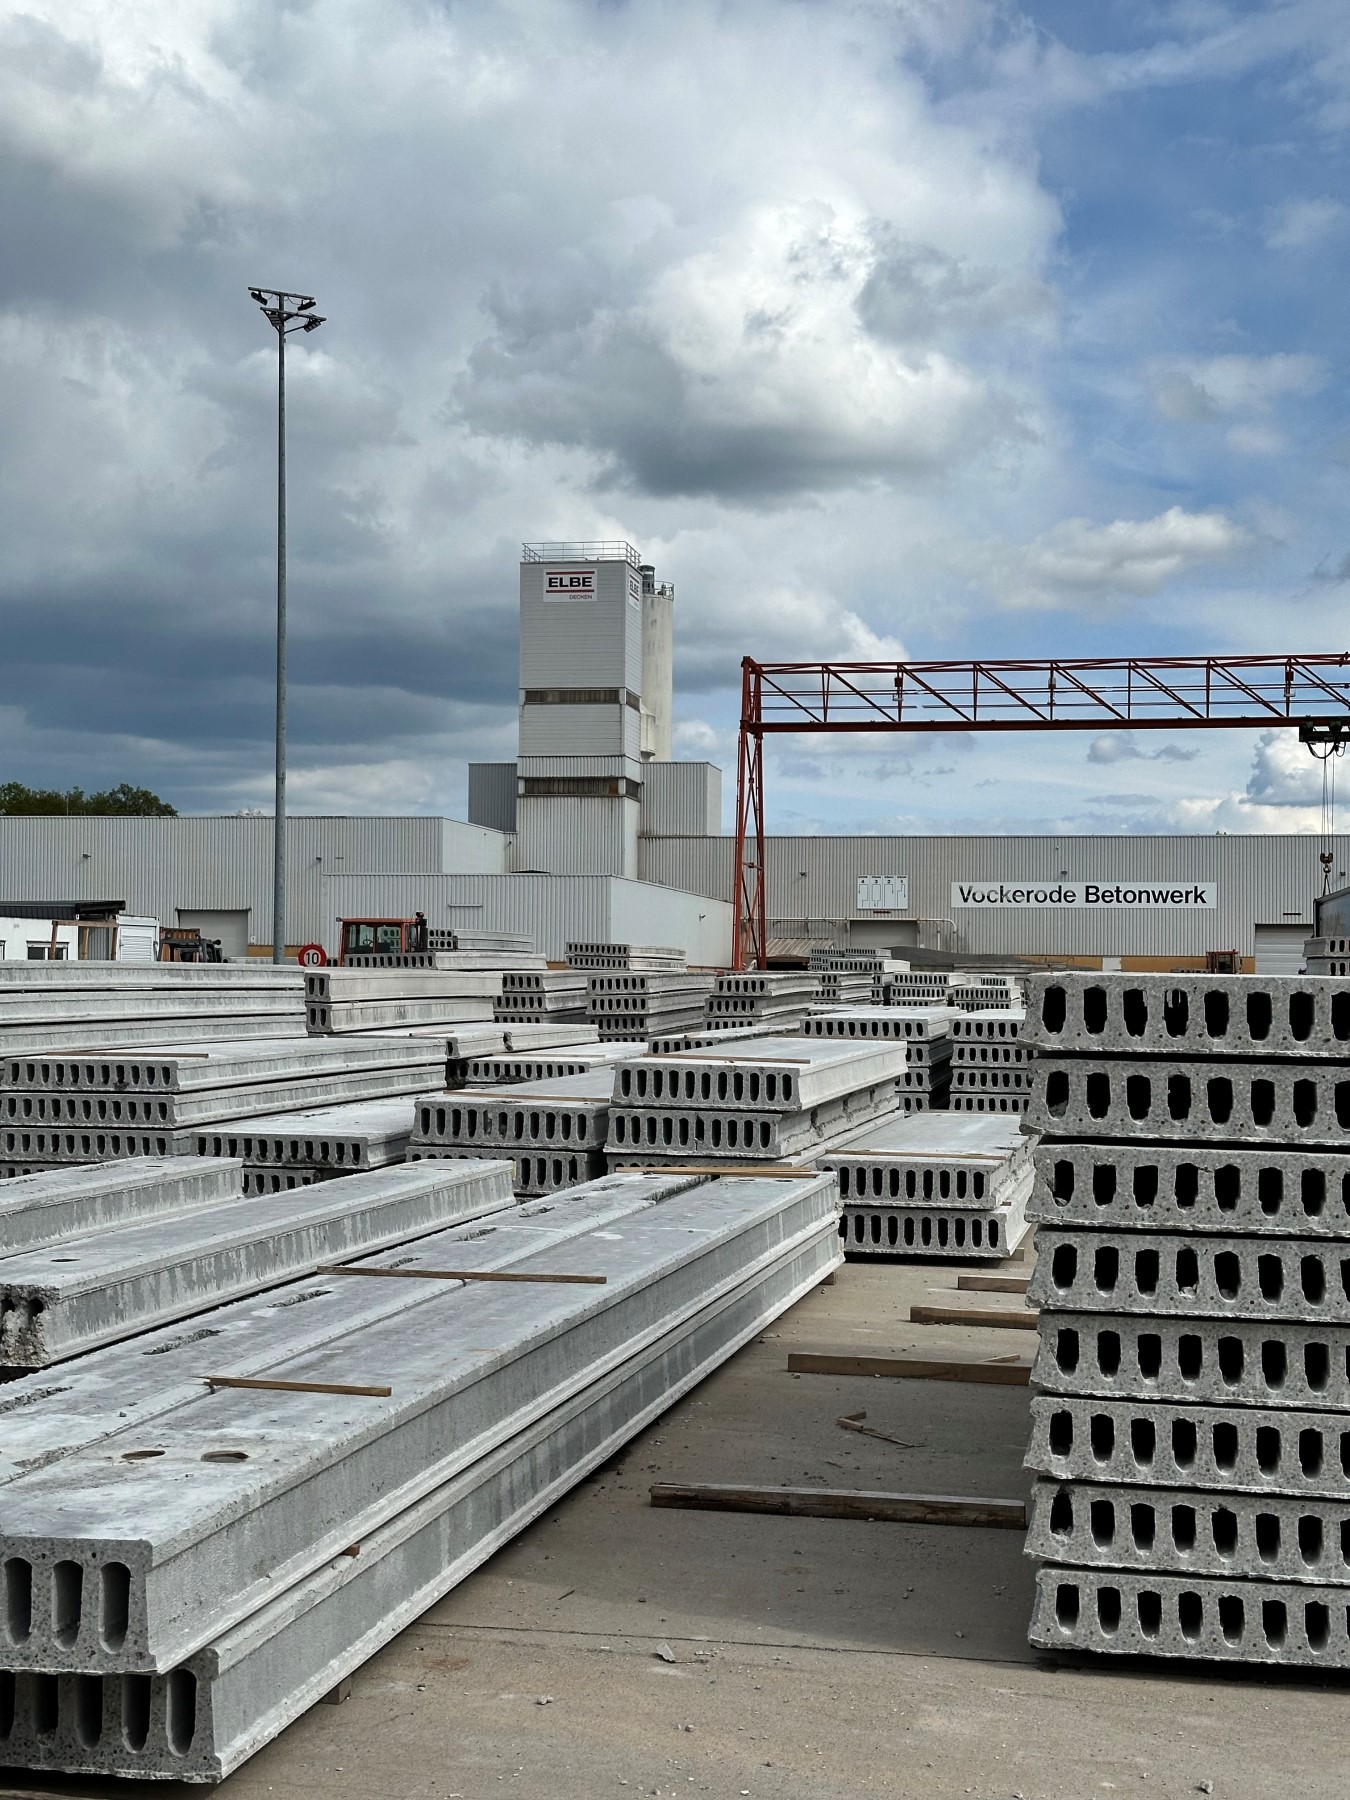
{"x":286,"y":313}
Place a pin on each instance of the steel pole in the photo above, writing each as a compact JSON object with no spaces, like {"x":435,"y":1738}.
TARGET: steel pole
{"x":279,"y":821}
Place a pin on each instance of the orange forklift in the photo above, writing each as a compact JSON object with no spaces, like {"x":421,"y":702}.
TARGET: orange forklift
{"x":383,"y":937}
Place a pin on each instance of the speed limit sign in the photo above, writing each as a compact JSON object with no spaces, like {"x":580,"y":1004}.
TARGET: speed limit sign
{"x":312,"y":956}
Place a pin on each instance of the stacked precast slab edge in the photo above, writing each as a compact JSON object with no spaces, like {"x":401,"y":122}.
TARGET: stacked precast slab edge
{"x":1193,"y":1213}
{"x":47,"y":1006}
{"x":553,"y":1130}
{"x":171,"y":1627}
{"x":758,"y":1102}
{"x":991,"y":1066}
{"x":934,"y":1185}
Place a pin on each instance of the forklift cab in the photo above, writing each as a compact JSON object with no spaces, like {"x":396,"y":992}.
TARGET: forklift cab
{"x":382,"y":937}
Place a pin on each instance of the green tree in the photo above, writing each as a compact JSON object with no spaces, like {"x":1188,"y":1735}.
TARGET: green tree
{"x":121,"y":802}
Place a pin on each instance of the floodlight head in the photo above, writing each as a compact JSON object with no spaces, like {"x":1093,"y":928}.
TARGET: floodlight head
{"x":304,"y":305}
{"x":313,"y":322}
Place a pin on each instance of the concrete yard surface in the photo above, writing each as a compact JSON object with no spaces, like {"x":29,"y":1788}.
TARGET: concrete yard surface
{"x":615,"y":1649}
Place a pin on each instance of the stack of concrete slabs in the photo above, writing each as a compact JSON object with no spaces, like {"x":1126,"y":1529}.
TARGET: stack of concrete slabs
{"x":330,"y":1140}
{"x":1193,"y":1280}
{"x":779,"y":1098}
{"x":554,"y":1130}
{"x":656,"y":958}
{"x":626,"y":1004}
{"x":74,"y":1296}
{"x":917,"y":1026}
{"x":164,"y":1647}
{"x":935,"y":1185}
{"x":550,"y":1065}
{"x":168,"y":1089}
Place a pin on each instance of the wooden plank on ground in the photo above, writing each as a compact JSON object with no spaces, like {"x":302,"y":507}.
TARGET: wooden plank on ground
{"x":911,"y":1366}
{"x":998,"y":1317}
{"x":841,"y":1503}
{"x":992,"y":1284}
{"x":295,"y":1387}
{"x":461,"y":1274}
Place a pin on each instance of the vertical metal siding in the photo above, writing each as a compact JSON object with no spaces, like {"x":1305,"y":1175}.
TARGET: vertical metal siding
{"x":492,"y":795}
{"x":681,"y":799}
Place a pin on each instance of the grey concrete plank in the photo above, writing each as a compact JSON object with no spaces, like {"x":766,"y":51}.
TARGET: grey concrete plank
{"x":49,"y":1209}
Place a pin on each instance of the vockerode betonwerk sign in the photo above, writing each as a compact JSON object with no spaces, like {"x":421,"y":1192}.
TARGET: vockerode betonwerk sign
{"x":1134,"y":895}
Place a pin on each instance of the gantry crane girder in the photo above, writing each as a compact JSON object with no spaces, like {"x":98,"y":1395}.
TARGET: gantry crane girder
{"x":1124,"y":693}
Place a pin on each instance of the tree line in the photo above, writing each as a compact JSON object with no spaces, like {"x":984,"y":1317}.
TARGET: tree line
{"x":120,"y":802}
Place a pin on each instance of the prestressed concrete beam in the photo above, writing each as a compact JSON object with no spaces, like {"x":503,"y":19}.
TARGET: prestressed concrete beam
{"x":182,"y":1029}
{"x":348,"y":986}
{"x":363,"y":1134}
{"x":927,"y":1078}
{"x":988,"y":1028}
{"x":203,"y":1720}
{"x":545,"y":1065}
{"x":1189,"y":1276}
{"x":96,"y":977}
{"x":280,"y":1180}
{"x":569,"y":1113}
{"x":533,"y":1172}
{"x":1011,"y":1103}
{"x":1226,"y":1361}
{"x":971,"y":1054}
{"x":1303,"y":1017}
{"x":83,"y":1293}
{"x":653,"y":957}
{"x":209,"y":1064}
{"x":41,"y":1210}
{"x":1288,"y":1103}
{"x":693,"y":1132}
{"x":1153,"y":1187}
{"x":938,"y":1159}
{"x":980,"y":1080}
{"x":317,"y":1471}
{"x":134,"y":1386}
{"x":1238,"y":1449}
{"x":784,"y":1074}
{"x":988,"y":1233}
{"x":880,"y":1022}
{"x":170,"y":1112}
{"x":371,"y":1015}
{"x":1186,"y":1531}
{"x":1207,"y":1619}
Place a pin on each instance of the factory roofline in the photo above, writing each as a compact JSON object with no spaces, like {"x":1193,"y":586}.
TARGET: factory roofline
{"x":611,"y":552}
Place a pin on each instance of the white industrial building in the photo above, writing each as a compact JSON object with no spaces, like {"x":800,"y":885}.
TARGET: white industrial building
{"x":594,"y":832}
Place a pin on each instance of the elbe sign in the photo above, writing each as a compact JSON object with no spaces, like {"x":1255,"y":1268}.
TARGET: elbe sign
{"x":569,"y":584}
{"x":1134,"y":895}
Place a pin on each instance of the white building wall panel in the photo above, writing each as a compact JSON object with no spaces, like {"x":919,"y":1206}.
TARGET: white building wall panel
{"x":492,"y":795}
{"x":577,"y":836}
{"x":552,"y":910}
{"x":681,"y":799}
{"x":161,"y":866}
{"x":1271,"y":880}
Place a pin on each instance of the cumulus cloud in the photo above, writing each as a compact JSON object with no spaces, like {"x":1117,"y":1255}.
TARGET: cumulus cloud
{"x":1284,"y":772}
{"x":1122,"y":746}
{"x":632,"y":272}
{"x":1239,"y":393}
{"x":1078,"y":563}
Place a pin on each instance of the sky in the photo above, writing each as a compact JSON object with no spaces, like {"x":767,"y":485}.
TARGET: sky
{"x":925,"y":328}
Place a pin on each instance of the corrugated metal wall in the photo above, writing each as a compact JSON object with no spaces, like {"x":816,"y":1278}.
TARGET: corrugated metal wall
{"x":681,"y":799}
{"x":492,"y":795}
{"x":224,"y":864}
{"x":1260,"y":880}
{"x":551,"y":909}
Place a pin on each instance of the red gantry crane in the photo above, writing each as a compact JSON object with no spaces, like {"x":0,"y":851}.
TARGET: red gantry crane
{"x":1123,"y":693}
